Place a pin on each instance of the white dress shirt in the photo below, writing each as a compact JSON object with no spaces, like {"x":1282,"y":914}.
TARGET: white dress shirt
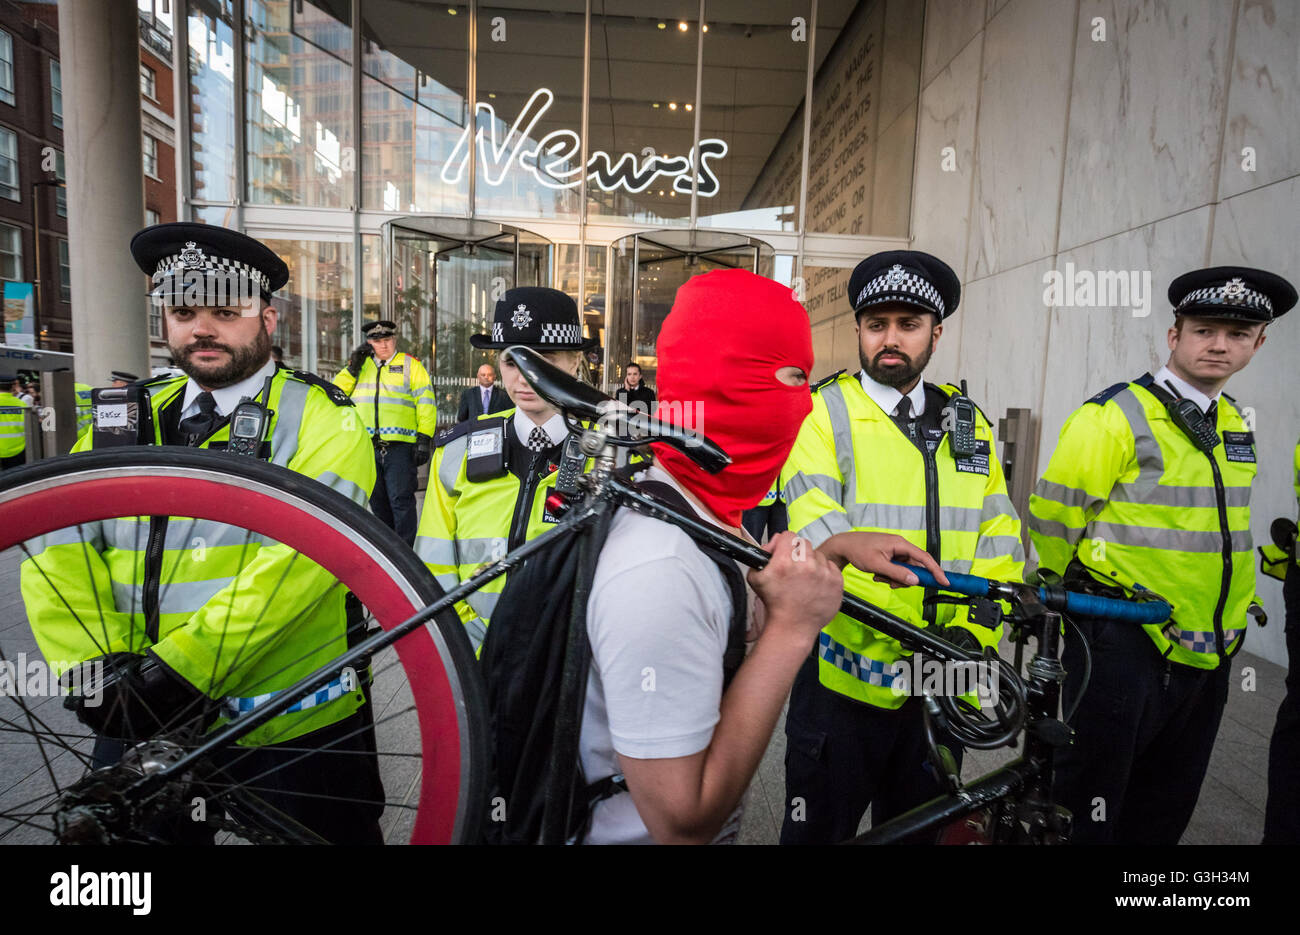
{"x":228,"y":397}
{"x":888,"y":398}
{"x":524,"y":426}
{"x":1165,"y":377}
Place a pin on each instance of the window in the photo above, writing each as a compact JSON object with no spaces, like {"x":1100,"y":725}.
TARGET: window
{"x":60,"y":191}
{"x":148,"y":86}
{"x":65,"y":273}
{"x":56,"y":92}
{"x":11,"y":253}
{"x":6,"y":67}
{"x":9,"y":165}
{"x":151,"y":217}
{"x":150,"y":156}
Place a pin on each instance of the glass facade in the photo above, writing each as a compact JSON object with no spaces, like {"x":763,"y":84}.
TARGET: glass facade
{"x":584,"y":122}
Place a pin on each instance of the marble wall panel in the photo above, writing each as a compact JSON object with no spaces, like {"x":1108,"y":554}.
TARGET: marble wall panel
{"x":891,"y":195}
{"x":949,"y":25}
{"x":1145,"y":113}
{"x":901,"y":57}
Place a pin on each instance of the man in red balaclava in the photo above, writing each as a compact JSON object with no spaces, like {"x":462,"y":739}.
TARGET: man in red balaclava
{"x":734,"y":355}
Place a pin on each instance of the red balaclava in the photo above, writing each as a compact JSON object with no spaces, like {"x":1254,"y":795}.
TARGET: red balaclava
{"x":719,"y":349}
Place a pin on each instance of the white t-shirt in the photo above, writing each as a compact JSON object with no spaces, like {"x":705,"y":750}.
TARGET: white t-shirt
{"x":657,"y":619}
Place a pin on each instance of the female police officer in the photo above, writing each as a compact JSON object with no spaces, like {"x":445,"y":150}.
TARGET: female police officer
{"x":490,"y":476}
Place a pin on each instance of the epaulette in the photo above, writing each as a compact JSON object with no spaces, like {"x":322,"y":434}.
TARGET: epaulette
{"x":831,"y":379}
{"x":336,"y":395}
{"x":460,"y":429}
{"x":1228,"y":398}
{"x":1107,"y":394}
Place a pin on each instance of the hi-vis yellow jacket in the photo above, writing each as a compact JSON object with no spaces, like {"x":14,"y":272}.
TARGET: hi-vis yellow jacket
{"x":852,"y":468}
{"x":397,"y":403}
{"x":1130,"y":497}
{"x":13,"y":425}
{"x":466,"y":524}
{"x":236,"y":614}
{"x":1272,"y":560}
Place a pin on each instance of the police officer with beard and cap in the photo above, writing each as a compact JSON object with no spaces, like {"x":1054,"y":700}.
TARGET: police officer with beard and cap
{"x":191,"y":634}
{"x":1149,"y":487}
{"x":883,"y":451}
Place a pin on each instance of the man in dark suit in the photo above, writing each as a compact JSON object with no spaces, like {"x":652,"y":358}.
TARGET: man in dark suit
{"x":484,"y":398}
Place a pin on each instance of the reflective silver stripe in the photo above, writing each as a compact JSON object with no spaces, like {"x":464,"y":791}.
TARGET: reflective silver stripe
{"x":960,"y":565}
{"x":434,"y":551}
{"x":453,"y":453}
{"x":1000,"y":546}
{"x":131,"y":534}
{"x":1175,"y":496}
{"x":483,"y":602}
{"x":825,"y":526}
{"x":1175,"y":540}
{"x":1151,"y":463}
{"x":477,"y":631}
{"x":803,"y":482}
{"x":476,"y":551}
{"x":1055,"y":530}
{"x":174,"y":597}
{"x":90,"y":534}
{"x":447,"y":580}
{"x":838,"y":412}
{"x":1066,"y":496}
{"x":352,"y":491}
{"x":288,"y":418}
{"x":958,"y":519}
{"x":383,"y":400}
{"x":995,"y":505}
{"x":886,"y":516}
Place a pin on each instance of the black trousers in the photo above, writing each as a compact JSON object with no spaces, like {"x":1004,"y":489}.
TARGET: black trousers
{"x":1144,"y":732}
{"x":842,"y":756}
{"x":1282,"y":814}
{"x":336,"y":792}
{"x":394,"y":498}
{"x":13,"y":461}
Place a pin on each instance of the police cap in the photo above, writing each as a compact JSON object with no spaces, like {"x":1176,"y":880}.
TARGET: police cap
{"x":909,"y":277}
{"x":123,"y":376}
{"x":1232,"y":292}
{"x":374,"y":330}
{"x":202,"y":264}
{"x":536,"y":317}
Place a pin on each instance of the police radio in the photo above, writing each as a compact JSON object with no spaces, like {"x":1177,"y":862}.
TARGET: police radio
{"x":1194,"y":423}
{"x":961,"y":437}
{"x":121,"y":416}
{"x":248,"y":425}
{"x":572,"y":461}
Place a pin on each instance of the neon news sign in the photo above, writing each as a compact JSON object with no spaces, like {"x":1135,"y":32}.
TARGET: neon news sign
{"x":551,"y":159}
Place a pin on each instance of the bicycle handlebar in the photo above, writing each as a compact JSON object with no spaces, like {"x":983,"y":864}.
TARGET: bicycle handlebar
{"x":1085,"y":605}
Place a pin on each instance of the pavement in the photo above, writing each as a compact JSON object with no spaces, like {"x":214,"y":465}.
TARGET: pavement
{"x":1230,"y":810}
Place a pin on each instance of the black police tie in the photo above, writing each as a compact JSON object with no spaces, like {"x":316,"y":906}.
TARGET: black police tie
{"x":201,"y":424}
{"x":538,"y":439}
{"x":903,"y":416}
{"x":1212,"y":414}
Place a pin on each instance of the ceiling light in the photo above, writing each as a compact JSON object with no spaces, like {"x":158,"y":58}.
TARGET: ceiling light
{"x":705,"y":27}
{"x":490,"y":94}
{"x":682,"y":26}
{"x":690,"y":106}
{"x":672,"y":105}
{"x":663,"y":25}
{"x":451,"y":11}
{"x":655,"y":105}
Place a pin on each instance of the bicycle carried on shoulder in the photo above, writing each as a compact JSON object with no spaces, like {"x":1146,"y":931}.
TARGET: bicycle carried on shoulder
{"x":418,"y":668}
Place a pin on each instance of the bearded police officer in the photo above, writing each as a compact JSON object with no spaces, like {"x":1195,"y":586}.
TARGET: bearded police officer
{"x":491,"y":476}
{"x":394,"y":398}
{"x":884,"y":452}
{"x":206,"y":632}
{"x":1149,"y":487}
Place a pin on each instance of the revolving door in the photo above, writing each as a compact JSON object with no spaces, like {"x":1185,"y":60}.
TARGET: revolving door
{"x":645,"y":271}
{"x":442,"y":280}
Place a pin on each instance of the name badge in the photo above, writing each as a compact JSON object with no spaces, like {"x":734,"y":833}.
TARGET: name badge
{"x":1239,"y":446}
{"x":978,"y":463}
{"x":483,"y":444}
{"x":397,"y":368}
{"x":111,"y":417}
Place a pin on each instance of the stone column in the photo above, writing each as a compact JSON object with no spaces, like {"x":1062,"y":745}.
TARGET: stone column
{"x":100,"y":58}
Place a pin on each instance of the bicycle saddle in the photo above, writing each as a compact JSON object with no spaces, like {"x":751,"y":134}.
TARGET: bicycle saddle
{"x":625,"y":425}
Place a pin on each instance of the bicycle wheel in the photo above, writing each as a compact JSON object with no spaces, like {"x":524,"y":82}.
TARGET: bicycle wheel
{"x":427,"y":739}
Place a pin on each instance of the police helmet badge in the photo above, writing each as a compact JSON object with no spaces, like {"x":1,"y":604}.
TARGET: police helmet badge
{"x":192,"y":255}
{"x":1234,"y":290}
{"x":895,"y":275}
{"x":521,"y":318}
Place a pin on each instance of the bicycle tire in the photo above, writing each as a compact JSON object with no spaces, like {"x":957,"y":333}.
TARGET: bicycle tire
{"x":324,"y":526}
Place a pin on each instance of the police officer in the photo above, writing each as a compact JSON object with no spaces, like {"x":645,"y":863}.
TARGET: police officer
{"x":885,"y":452}
{"x":394,"y":398}
{"x":1282,"y":812}
{"x":490,"y":476}
{"x":13,"y":424}
{"x":201,"y":633}
{"x":1149,"y":486}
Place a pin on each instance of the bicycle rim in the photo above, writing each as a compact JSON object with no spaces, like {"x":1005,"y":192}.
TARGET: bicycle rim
{"x":426,"y":681}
